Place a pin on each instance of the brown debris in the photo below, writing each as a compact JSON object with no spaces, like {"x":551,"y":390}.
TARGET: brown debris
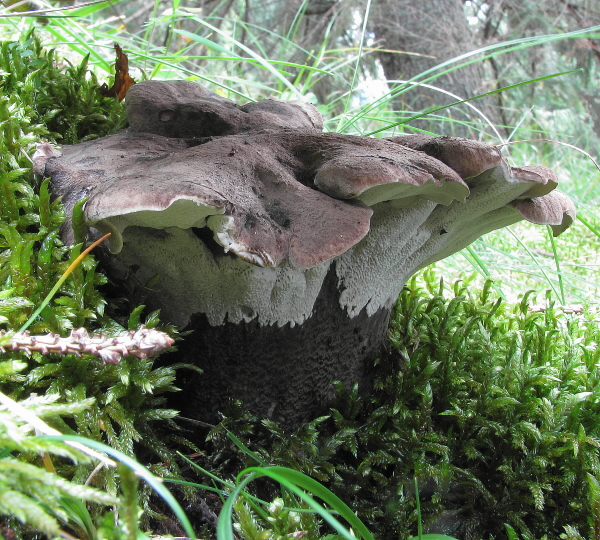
{"x":123,"y":81}
{"x":142,"y":343}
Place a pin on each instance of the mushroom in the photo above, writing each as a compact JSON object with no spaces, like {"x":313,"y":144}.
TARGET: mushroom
{"x":283,"y":248}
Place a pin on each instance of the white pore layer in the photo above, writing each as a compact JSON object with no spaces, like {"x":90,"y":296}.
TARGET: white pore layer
{"x":224,"y":287}
{"x":401,"y":240}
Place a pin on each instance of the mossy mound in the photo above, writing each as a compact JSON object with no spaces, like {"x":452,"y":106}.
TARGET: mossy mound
{"x":492,"y":407}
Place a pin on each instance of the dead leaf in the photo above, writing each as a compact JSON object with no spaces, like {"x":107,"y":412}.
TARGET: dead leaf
{"x":123,"y":81}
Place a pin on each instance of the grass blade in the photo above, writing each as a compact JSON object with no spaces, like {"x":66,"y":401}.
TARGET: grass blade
{"x":142,"y":472}
{"x":297,"y":482}
{"x":60,"y":281}
{"x":444,"y":107}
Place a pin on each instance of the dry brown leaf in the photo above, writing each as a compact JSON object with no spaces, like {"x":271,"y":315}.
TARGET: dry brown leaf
{"x":123,"y":81}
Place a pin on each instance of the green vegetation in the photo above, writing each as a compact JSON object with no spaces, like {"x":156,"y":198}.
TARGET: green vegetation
{"x":488,"y":397}
{"x":494,"y":409}
{"x":30,"y":494}
{"x":45,"y":500}
{"x":122,"y":402}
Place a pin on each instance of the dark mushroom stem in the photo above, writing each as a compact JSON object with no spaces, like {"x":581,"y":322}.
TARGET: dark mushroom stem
{"x":282,"y":373}
{"x":283,"y":248}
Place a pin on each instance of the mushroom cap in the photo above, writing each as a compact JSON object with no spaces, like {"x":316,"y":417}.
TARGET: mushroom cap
{"x":198,"y":179}
{"x":373,"y":170}
{"x":298,"y":197}
{"x":250,"y":201}
{"x":468,"y":158}
{"x":186,"y":109}
{"x":554,"y":209}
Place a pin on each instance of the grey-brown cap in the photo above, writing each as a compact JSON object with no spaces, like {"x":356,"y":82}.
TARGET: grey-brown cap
{"x":186,"y":109}
{"x":263,"y":183}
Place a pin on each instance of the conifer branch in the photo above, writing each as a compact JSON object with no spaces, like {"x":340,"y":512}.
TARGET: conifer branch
{"x":142,"y":343}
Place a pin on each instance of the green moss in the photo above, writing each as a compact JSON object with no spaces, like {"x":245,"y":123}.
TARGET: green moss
{"x":44,"y":98}
{"x":494,"y":409}
{"x":53,"y":93}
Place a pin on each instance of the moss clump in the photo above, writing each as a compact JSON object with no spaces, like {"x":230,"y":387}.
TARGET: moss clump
{"x":54,"y":94}
{"x":495,"y":410}
{"x":125,"y":403}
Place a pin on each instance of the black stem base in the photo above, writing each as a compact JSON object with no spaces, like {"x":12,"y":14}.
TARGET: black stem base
{"x":281,"y":373}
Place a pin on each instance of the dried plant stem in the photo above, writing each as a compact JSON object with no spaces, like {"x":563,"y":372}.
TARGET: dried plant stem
{"x":141,"y":343}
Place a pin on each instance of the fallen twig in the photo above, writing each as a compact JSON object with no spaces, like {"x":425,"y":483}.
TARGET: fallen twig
{"x":141,"y":343}
{"x":576,"y":309}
